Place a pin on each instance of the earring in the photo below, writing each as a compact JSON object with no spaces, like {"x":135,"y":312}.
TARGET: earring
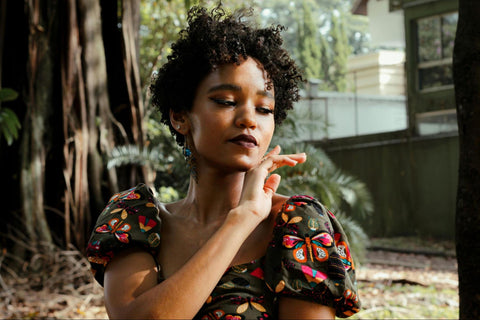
{"x":187,"y":153}
{"x":190,"y":159}
{"x":178,"y":126}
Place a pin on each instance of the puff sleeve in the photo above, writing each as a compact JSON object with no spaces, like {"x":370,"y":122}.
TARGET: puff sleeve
{"x":309,"y":257}
{"x":129,"y":220}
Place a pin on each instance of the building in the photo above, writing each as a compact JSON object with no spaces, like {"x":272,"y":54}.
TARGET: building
{"x":429,"y":33}
{"x":411,"y":172}
{"x":381,"y":72}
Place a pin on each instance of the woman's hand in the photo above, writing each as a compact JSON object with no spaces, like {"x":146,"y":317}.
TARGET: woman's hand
{"x":258,"y":190}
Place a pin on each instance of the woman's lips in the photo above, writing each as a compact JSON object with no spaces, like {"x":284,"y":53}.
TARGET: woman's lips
{"x":245,"y":140}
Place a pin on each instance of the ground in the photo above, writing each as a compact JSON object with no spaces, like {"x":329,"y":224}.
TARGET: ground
{"x":404,"y":278}
{"x":400,"y":278}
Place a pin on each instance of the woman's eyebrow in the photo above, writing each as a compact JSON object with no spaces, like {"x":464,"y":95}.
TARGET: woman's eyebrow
{"x":236,"y":88}
{"x":266,"y":94}
{"x":225,"y":86}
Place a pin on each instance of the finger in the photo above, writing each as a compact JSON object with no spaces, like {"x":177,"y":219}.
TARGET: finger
{"x":299,"y":157}
{"x":272,"y":183}
{"x":271,"y":165}
{"x":275,"y":151}
{"x":274,"y":162}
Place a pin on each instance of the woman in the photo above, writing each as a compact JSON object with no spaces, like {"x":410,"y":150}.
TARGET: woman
{"x":233,"y":248}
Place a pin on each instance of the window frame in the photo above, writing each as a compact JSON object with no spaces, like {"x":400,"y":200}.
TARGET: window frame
{"x":432,"y":63}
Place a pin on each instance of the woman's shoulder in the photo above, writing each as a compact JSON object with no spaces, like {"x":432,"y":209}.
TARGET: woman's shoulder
{"x":309,"y":256}
{"x":305,"y":214}
{"x":299,"y":204}
{"x":130,"y":220}
{"x":140,"y":194}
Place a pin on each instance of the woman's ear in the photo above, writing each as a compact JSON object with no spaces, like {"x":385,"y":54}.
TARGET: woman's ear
{"x":179,"y":122}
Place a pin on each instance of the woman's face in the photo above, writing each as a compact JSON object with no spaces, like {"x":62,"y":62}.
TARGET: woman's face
{"x":232,"y":122}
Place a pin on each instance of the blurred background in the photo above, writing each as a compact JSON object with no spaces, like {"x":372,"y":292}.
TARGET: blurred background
{"x":377,"y":118}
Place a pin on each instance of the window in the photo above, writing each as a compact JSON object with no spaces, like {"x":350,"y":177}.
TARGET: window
{"x":436,"y":37}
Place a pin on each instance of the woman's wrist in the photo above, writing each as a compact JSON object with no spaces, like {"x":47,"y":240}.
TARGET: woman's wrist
{"x":243,"y":219}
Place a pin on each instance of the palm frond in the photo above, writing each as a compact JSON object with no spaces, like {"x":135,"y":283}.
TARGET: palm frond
{"x":356,"y":195}
{"x":357,"y":237}
{"x":343,"y":194}
{"x":132,"y":154}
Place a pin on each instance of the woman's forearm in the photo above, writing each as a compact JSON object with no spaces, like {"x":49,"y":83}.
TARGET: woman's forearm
{"x":183,"y":293}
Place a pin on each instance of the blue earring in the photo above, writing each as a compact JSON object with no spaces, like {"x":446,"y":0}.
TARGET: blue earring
{"x":187,"y":153}
{"x":190,"y":159}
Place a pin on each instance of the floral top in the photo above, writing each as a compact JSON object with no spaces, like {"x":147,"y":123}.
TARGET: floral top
{"x":308,"y":257}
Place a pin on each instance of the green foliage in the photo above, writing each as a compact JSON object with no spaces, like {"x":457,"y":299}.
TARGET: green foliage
{"x":321,"y":35}
{"x":325,"y":60}
{"x":161,"y":21}
{"x":132,"y":154}
{"x":162,"y":157}
{"x":283,"y":12}
{"x":168,"y":169}
{"x":164,"y":160}
{"x":7,"y":94}
{"x":9,"y":123}
{"x":159,"y":26}
{"x":309,"y":51}
{"x":342,"y":51}
{"x":167,"y":194}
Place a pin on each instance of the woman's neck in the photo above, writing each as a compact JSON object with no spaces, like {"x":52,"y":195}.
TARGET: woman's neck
{"x":212,"y":196}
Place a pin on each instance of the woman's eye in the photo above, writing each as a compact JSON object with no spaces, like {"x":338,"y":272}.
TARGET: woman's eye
{"x":224,"y":102}
{"x":264,"y":110}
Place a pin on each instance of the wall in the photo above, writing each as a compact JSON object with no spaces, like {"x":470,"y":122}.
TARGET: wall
{"x":377,"y":73}
{"x":335,"y":115}
{"x":413,"y":181}
{"x":386,"y":28}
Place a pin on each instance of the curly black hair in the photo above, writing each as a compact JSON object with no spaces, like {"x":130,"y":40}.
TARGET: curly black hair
{"x":214,"y":38}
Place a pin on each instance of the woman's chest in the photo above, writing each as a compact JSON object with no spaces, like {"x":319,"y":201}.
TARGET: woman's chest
{"x":181,"y":240}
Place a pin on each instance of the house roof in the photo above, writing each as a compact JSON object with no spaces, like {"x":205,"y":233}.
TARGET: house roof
{"x":360,"y":7}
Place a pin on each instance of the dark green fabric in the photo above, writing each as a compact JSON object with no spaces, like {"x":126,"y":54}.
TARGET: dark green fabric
{"x":308,"y":257}
{"x":129,"y":220}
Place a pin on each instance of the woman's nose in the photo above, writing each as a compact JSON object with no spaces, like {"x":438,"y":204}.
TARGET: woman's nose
{"x":246,"y":117}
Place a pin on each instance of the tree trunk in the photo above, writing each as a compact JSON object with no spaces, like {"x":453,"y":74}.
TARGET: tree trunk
{"x":3,"y":13}
{"x":466,"y":69}
{"x":70,"y":126}
{"x":34,"y":146}
{"x":130,"y":28}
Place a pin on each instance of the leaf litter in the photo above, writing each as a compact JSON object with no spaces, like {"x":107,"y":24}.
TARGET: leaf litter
{"x":57,"y":283}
